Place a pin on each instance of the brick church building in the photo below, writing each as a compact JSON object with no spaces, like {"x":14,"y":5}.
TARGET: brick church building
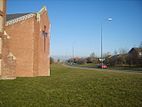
{"x":25,"y":43}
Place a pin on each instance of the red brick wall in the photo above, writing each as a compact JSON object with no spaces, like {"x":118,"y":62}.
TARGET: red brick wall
{"x":36,"y":47}
{"x":8,"y":64}
{"x":21,"y":45}
{"x":43,"y":59}
{"x":27,"y":45}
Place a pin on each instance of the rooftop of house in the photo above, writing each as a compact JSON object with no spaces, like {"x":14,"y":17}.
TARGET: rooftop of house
{"x":136,"y":49}
{"x":119,"y":55}
{"x":16,"y":15}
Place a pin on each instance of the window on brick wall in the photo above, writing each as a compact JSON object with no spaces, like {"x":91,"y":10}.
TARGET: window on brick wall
{"x":44,"y":33}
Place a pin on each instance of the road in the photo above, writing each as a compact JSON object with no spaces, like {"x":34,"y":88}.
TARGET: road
{"x":97,"y":69}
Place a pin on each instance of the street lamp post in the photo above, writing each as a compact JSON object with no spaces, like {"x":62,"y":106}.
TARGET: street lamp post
{"x":109,"y":19}
{"x":101,"y":46}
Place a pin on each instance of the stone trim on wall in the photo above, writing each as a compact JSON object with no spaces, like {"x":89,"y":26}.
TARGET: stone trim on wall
{"x":25,"y":17}
{"x":43,"y":9}
{"x":39,"y":13}
{"x":5,"y":34}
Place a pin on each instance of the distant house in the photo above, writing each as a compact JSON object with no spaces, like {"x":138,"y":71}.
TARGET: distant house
{"x":119,"y":59}
{"x":135,"y":56}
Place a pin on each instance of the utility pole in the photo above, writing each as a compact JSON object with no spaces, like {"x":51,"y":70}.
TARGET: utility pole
{"x":2,"y":24}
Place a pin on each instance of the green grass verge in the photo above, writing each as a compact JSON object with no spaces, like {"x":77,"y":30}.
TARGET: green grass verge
{"x":68,"y":87}
{"x":127,"y":68}
{"x":92,"y":65}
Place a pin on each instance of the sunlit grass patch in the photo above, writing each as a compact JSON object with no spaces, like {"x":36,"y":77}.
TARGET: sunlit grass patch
{"x":73,"y":88}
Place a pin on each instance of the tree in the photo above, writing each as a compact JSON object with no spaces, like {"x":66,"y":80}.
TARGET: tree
{"x":92,"y":54}
{"x":140,"y":45}
{"x":81,"y":61}
{"x":92,"y":58}
{"x":71,"y":60}
{"x":107,"y":56}
{"x":123,"y":51}
{"x":123,"y":56}
{"x":115,"y":52}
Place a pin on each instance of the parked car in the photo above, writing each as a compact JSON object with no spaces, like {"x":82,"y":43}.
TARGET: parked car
{"x":103,"y":66}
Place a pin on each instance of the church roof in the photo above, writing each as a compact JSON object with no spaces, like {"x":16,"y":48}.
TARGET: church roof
{"x":13,"y":16}
{"x":17,"y":17}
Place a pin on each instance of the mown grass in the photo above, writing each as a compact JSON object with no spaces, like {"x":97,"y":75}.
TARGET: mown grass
{"x":91,"y":65}
{"x":68,"y":87}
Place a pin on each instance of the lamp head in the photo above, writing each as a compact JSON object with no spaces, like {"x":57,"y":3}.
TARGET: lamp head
{"x":109,"y":19}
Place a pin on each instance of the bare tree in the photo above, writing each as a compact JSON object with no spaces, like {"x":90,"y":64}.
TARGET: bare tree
{"x":123,"y":51}
{"x":107,"y":54}
{"x":92,"y":54}
{"x":92,"y":58}
{"x":140,"y":45}
{"x":115,"y":52}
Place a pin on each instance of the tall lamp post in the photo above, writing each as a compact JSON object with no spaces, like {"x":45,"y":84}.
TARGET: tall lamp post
{"x":109,"y":19}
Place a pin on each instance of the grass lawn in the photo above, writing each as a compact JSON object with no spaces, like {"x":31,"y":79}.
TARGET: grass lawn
{"x":68,"y":87}
{"x":127,"y":68}
{"x":92,"y":65}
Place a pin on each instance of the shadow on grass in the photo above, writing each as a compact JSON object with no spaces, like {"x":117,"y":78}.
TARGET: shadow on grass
{"x":127,"y":68}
